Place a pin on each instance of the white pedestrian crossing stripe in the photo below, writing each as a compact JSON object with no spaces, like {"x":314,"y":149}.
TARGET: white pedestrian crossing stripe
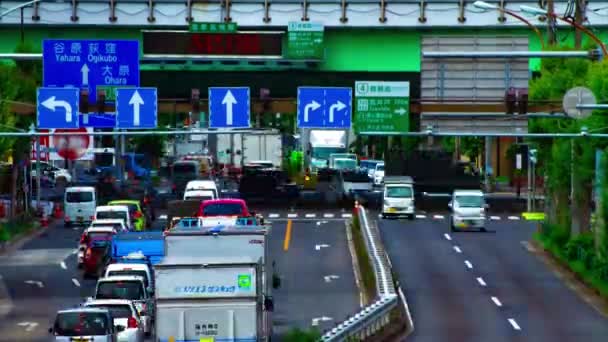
{"x":292,"y":215}
{"x":328,"y":215}
{"x":274,"y":215}
{"x":495,"y":218}
{"x":347,"y":215}
{"x":311,"y":215}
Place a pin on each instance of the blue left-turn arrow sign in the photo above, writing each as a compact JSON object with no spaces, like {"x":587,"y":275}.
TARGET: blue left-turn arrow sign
{"x":57,"y":108}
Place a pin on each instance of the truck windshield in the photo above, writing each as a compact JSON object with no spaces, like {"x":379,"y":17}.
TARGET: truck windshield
{"x":223,"y":209}
{"x":324,"y":152}
{"x":399,"y":192}
{"x":82,"y":324}
{"x":77,"y":197}
{"x":130,"y":290}
{"x":342,"y":164}
{"x":470,"y":201}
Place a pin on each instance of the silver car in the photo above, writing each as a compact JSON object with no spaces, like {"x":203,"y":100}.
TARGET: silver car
{"x":84,"y":324}
{"x":125,"y":315}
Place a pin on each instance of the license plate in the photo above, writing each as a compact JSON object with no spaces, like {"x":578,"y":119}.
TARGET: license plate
{"x":392,"y":210}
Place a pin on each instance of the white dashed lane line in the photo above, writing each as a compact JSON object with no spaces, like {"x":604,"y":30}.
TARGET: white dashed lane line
{"x":514,"y":324}
{"x":311,"y":215}
{"x":438,"y":217}
{"x":76,"y":282}
{"x":421,"y":216}
{"x":481,"y":281}
{"x":347,"y":215}
{"x":513,"y":218}
{"x":292,"y":215}
{"x":273,"y":215}
{"x":495,"y":218}
{"x":447,"y":236}
{"x":457,"y":249}
{"x":328,"y":215}
{"x":63,"y":265}
{"x":496,"y":301}
{"x":468,"y":263}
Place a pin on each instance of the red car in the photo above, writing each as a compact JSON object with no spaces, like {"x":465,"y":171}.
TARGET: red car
{"x":224,"y":207}
{"x":97,"y":255}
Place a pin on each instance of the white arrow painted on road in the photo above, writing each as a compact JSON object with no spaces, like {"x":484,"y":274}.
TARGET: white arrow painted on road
{"x":85,"y":74}
{"x":314,"y":105}
{"x":315,"y":321}
{"x":401,"y":111}
{"x":136,"y":101}
{"x":29,"y":326}
{"x":229,"y":101}
{"x":329,"y":278}
{"x":318,"y":247}
{"x":35,"y":282}
{"x":51,"y":103}
{"x":336,"y":106}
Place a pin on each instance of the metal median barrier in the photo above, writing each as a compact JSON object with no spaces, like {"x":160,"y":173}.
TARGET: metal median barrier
{"x":374,"y":317}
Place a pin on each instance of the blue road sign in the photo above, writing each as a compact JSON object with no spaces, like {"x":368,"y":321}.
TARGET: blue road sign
{"x":229,"y":107}
{"x":57,"y":108}
{"x":90,"y":64}
{"x":98,"y":120}
{"x":136,"y":108}
{"x":320,"y":107}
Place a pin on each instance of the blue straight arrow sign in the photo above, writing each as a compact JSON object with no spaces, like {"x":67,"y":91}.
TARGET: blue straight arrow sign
{"x":136,"y":108}
{"x":229,"y":107}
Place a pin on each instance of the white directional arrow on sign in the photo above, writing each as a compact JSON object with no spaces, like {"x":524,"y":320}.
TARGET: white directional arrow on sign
{"x":336,"y":106}
{"x":329,"y":278}
{"x":85,"y":74}
{"x":314,"y":105}
{"x":229,"y":101}
{"x":318,"y":247}
{"x":136,"y":101}
{"x":35,"y":282}
{"x":29,"y":326}
{"x":401,"y":111}
{"x":315,"y":321}
{"x":51,"y":103}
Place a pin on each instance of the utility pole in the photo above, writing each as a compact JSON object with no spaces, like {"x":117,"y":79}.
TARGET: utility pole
{"x":550,"y":22}
{"x":579,"y":19}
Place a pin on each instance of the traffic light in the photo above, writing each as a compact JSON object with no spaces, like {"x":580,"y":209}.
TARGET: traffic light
{"x":84,"y":101}
{"x":510,"y":100}
{"x":532,"y":155}
{"x":195,"y":100}
{"x":101,"y":101}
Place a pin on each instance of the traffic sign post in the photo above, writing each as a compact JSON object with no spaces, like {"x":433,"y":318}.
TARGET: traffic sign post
{"x":57,"y":107}
{"x":305,"y":40}
{"x":229,"y":107}
{"x":89,"y":64}
{"x":136,"y":108}
{"x":382,"y":106}
{"x":320,"y":107}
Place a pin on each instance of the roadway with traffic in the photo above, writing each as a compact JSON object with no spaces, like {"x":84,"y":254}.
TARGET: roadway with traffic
{"x":41,"y":276}
{"x":474,"y":286}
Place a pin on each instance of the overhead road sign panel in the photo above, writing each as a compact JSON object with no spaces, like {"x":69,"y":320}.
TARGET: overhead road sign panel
{"x":136,"y":108}
{"x":229,"y":107}
{"x":305,"y":40}
{"x":57,"y":108}
{"x":88,"y":64}
{"x":320,"y":107}
{"x":205,"y":27}
{"x":382,"y":106}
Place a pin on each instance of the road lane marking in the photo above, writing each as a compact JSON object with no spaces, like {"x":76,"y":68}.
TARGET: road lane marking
{"x":162,"y":217}
{"x":481,"y":282}
{"x":468,"y":263}
{"x":287,"y":236}
{"x":318,"y":247}
{"x":273,"y":215}
{"x":329,"y":278}
{"x":328,"y":215}
{"x":513,"y":217}
{"x":421,"y":216}
{"x":292,"y":215}
{"x":315,"y":321}
{"x":447,"y":236}
{"x":514,"y":324}
{"x":457,"y":249}
{"x":495,"y":218}
{"x":497,"y":302}
{"x":76,"y":282}
{"x":311,"y":215}
{"x":63,"y":265}
{"x":347,"y":215}
{"x":29,"y":326}
{"x":35,"y":282}
{"x":438,"y":217}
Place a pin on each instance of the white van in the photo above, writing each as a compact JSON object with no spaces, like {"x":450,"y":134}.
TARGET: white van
{"x":202,"y":185}
{"x":468,"y":210}
{"x":140,"y":270}
{"x":398,"y":197}
{"x":120,"y":212}
{"x":79,"y":205}
{"x":201,"y":195}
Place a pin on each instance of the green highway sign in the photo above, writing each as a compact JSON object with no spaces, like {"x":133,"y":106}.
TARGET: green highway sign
{"x":305,"y":40}
{"x":213,"y":27}
{"x":382,"y":106}
{"x":110,"y":92}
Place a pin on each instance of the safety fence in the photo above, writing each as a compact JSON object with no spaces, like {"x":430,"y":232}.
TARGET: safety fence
{"x":371,"y":319}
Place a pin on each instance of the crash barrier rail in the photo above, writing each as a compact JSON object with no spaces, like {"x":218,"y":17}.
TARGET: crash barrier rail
{"x":374,"y":317}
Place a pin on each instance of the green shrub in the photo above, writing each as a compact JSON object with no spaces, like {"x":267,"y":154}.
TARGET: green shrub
{"x":577,"y":247}
{"x":557,"y":235}
{"x":299,"y":335}
{"x":600,"y":269}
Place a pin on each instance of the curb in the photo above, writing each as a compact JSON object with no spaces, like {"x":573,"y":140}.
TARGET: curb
{"x":357,"y":271}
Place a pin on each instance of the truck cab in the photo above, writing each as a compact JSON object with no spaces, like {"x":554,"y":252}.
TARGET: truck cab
{"x":398,"y":197}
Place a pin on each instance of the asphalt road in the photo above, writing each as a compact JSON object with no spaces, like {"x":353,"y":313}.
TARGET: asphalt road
{"x":470,"y":286}
{"x":317,"y":280}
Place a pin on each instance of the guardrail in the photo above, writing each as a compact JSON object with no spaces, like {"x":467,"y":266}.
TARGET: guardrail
{"x":372,"y":318}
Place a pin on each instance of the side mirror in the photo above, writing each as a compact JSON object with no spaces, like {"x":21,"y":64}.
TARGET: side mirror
{"x":269,"y":304}
{"x":120,"y":328}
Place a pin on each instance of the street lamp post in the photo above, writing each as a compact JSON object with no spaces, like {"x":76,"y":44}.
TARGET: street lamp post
{"x":486,"y":6}
{"x":540,"y":11}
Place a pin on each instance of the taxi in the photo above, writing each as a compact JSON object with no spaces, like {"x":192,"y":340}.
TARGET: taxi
{"x":138,"y":216}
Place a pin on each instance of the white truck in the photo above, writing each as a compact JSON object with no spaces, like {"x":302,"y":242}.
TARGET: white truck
{"x":238,"y":149}
{"x":213,"y":285}
{"x":398,"y":197}
{"x":319,"y":144}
